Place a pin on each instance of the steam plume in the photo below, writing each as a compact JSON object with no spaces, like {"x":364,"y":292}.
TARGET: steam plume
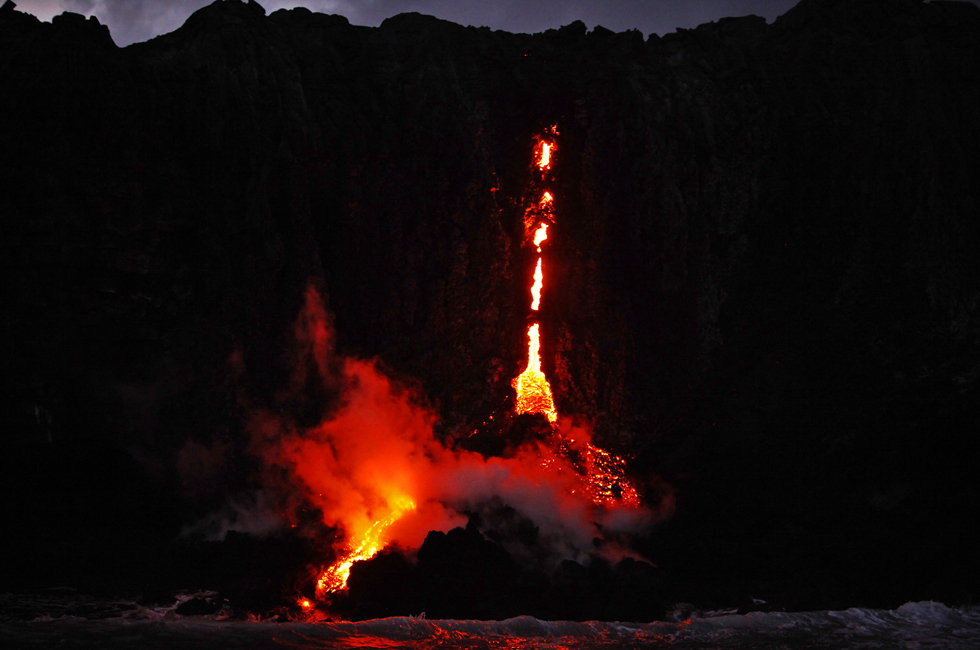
{"x":374,"y":458}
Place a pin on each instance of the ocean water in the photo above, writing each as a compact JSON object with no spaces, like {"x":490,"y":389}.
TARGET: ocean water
{"x":69,"y":620}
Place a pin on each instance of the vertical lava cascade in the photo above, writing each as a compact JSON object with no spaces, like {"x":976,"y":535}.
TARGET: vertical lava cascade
{"x":375,"y":463}
{"x":603,"y":473}
{"x":531,"y":386}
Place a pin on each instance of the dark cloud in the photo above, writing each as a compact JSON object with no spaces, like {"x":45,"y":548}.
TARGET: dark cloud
{"x":128,"y":20}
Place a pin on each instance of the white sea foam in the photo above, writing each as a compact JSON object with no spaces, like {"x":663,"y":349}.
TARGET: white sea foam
{"x":39,"y":621}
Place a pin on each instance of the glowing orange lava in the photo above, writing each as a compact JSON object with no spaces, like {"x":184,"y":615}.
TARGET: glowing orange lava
{"x":370,"y":542}
{"x":532,"y":387}
{"x":603,"y":473}
{"x":536,"y":287}
{"x":368,"y":465}
{"x":537,"y":218}
{"x":540,"y":235}
{"x":544,"y":154}
{"x":606,"y":477}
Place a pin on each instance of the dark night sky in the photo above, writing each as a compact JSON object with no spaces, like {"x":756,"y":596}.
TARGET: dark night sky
{"x":138,"y":20}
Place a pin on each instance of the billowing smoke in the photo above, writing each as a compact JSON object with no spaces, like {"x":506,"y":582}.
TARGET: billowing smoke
{"x":253,"y":512}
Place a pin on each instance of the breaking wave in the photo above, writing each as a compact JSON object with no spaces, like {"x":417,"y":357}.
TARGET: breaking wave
{"x":74,"y":621}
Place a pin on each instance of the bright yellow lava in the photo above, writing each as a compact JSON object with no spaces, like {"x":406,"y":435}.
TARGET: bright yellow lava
{"x":334,"y":578}
{"x":532,"y":387}
{"x":544,"y":156}
{"x":540,"y":235}
{"x":536,"y":287}
{"x":604,"y":473}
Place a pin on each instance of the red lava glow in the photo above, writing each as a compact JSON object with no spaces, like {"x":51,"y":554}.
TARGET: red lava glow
{"x":378,"y":476}
{"x":363,"y":464}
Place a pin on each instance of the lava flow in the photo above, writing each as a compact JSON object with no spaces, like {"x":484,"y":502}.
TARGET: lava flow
{"x":531,"y":386}
{"x":370,"y":543}
{"x":604,"y":473}
{"x":533,"y":389}
{"x":375,"y":471}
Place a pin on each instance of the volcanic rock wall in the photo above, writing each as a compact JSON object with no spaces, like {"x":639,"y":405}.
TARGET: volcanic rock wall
{"x":764,"y":273}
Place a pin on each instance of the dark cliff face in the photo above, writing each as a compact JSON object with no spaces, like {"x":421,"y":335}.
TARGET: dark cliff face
{"x":764,"y":278}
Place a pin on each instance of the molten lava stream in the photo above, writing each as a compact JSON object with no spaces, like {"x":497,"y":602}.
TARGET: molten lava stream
{"x":544,"y":150}
{"x":603,"y":473}
{"x":540,"y":235}
{"x":532,"y":387}
{"x":536,"y":287}
{"x":371,"y":542}
{"x":544,"y":162}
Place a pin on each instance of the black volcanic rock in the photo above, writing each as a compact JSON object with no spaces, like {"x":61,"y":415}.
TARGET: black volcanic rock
{"x":386,"y":585}
{"x":462,"y":573}
{"x":763,"y":281}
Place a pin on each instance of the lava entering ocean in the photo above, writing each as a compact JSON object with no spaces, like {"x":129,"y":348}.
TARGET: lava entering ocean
{"x":378,"y":476}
